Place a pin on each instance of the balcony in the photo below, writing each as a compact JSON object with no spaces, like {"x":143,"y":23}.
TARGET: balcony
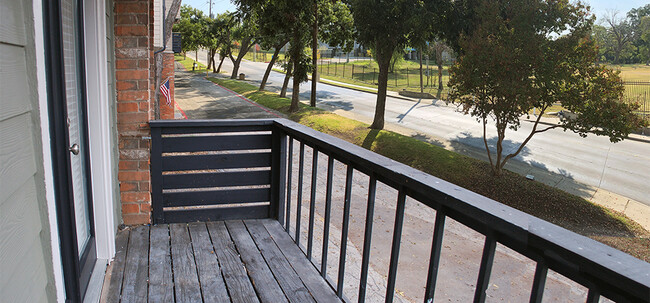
{"x":273,"y":211}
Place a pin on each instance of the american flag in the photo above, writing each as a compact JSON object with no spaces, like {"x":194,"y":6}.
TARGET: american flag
{"x":164,"y":89}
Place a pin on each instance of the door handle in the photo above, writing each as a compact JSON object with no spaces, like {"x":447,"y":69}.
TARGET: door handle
{"x":74,"y":149}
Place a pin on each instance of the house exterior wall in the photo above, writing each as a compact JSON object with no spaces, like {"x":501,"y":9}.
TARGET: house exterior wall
{"x":25,"y":249}
{"x":136,"y":89}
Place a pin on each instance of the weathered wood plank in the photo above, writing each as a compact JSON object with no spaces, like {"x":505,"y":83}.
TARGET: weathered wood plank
{"x":282,"y":270}
{"x":161,"y":285}
{"x":263,"y":281}
{"x":136,"y":270}
{"x":319,"y":289}
{"x":186,"y":281}
{"x":234,"y":274}
{"x":212,"y":286}
{"x":117,"y":269}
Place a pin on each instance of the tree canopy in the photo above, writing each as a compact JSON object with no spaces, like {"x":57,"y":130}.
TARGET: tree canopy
{"x":527,"y":54}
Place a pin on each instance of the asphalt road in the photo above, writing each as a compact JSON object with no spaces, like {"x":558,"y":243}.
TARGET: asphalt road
{"x":622,"y":168}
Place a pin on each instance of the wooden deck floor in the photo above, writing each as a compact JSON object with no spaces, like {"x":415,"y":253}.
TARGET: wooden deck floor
{"x":233,"y":261}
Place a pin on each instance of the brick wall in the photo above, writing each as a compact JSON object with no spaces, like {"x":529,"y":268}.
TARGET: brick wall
{"x":136,"y":93}
{"x":132,"y":73}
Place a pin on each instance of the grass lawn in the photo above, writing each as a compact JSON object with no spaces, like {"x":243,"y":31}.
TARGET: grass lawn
{"x":548,"y":203}
{"x":633,"y":72}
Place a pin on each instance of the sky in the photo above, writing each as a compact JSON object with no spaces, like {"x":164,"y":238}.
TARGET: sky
{"x":598,"y":7}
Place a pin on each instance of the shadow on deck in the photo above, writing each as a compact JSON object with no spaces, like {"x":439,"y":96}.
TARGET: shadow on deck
{"x":232,"y":261}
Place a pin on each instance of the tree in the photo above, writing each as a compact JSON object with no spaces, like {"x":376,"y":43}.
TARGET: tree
{"x":244,"y":31}
{"x":385,"y":26}
{"x":191,"y":28}
{"x":621,"y":32}
{"x":436,"y":49}
{"x":518,"y":59}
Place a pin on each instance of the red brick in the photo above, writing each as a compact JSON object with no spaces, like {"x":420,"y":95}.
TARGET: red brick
{"x":128,"y":186}
{"x":136,"y":219}
{"x":126,"y":63}
{"x":133,"y":175}
{"x":144,"y":106}
{"x":145,"y":207}
{"x":141,"y":7}
{"x":130,"y":208}
{"x":131,"y":74}
{"x":132,"y":117}
{"x":128,"y":107}
{"x":135,"y":197}
{"x":132,"y":95}
{"x":125,"y":85}
{"x":131,"y":30}
{"x":128,"y":165}
{"x":145,"y":186}
{"x":143,"y":165}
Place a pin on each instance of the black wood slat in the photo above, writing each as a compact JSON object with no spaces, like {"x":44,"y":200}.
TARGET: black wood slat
{"x":117,"y":267}
{"x":212,"y":123}
{"x":301,"y":168}
{"x":234,"y":274}
{"x":593,"y":296}
{"x":219,"y":161}
{"x":367,"y":238}
{"x":312,"y":203}
{"x":394,"y":253}
{"x":186,"y":280}
{"x":265,"y":284}
{"x":136,"y":269}
{"x":318,"y":287}
{"x":161,"y":283}
{"x":344,"y":231}
{"x":216,"y":197}
{"x":434,"y":261}
{"x":215,"y":143}
{"x":279,"y":174}
{"x":156,"y":176}
{"x":282,"y":270}
{"x":289,"y":184}
{"x":485,"y":270}
{"x":239,"y":178}
{"x":213,"y":288}
{"x":538,"y":283}
{"x":328,"y":212}
{"x":213,"y":129}
{"x":217,"y":214}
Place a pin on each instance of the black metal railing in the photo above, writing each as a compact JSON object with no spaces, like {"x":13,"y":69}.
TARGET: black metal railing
{"x":604,"y":271}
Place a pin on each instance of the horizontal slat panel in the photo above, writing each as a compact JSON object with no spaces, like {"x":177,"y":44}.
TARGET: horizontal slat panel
{"x":217,"y":197}
{"x":231,"y":123}
{"x":215,"y":143}
{"x":243,"y":178}
{"x":216,"y":214}
{"x":215,"y":129}
{"x":194,"y":162}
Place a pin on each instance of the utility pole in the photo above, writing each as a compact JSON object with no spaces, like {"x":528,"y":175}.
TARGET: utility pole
{"x":210,"y":9}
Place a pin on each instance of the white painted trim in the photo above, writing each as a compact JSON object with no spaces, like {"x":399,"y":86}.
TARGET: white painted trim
{"x":99,"y":128}
{"x":47,"y":155}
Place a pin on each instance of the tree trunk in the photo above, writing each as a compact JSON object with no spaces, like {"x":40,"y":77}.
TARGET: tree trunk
{"x":245,"y":47}
{"x":270,"y":66}
{"x":440,"y":77}
{"x":220,"y":63}
{"x":214,"y":62}
{"x":421,"y":79}
{"x":314,"y":51}
{"x":285,"y":84}
{"x":383,"y":60}
{"x":295,"y":95}
{"x":209,"y":60}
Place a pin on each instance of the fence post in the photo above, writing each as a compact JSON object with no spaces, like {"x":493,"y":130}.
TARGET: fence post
{"x":335,"y":69}
{"x":407,"y":77}
{"x":157,"y":215}
{"x":278,"y":173}
{"x":374,"y":73}
{"x":363,"y":76}
{"x":352,"y":72}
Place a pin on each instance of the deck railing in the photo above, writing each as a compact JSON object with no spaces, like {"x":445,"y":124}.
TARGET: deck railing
{"x":190,"y":156}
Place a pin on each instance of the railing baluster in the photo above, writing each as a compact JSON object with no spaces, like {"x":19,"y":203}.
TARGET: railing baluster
{"x":486,"y":268}
{"x":301,"y":167}
{"x":344,"y":230}
{"x":367,"y":238}
{"x":312,"y":202}
{"x":328,"y":212}
{"x":538,"y":282}
{"x":397,"y":236}
{"x":593,"y":296}
{"x":434,"y":262}
{"x":289,"y":175}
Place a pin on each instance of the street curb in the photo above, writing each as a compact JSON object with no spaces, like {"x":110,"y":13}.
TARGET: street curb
{"x":365,"y":91}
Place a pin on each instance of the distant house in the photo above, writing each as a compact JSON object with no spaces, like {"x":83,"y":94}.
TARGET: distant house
{"x":78,"y":92}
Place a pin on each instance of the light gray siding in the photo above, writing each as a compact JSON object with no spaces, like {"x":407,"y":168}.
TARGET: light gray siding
{"x":25,"y":251}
